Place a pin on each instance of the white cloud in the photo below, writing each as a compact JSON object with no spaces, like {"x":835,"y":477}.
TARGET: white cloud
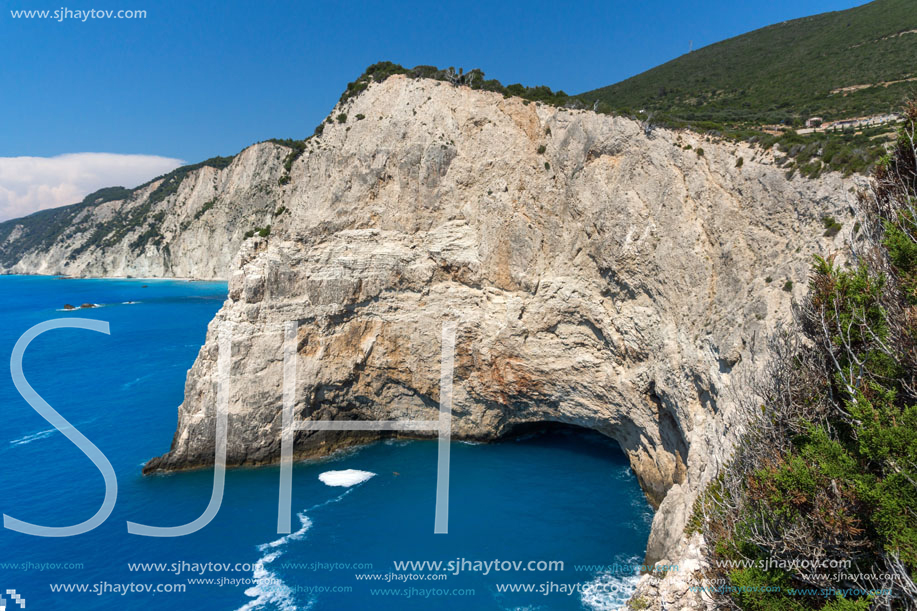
{"x":29,"y":184}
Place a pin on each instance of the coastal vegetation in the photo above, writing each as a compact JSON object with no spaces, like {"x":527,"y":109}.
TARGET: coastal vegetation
{"x":845,"y":150}
{"x":833,"y":65}
{"x":762,"y":87}
{"x":827,"y":472}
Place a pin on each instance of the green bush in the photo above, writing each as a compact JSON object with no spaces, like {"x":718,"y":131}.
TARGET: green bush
{"x":297,"y":148}
{"x":379,"y":72}
{"x":207,"y":206}
{"x":342,"y":118}
{"x":832,"y":227}
{"x":259,"y":231}
{"x":637,"y":604}
{"x":829,"y":464}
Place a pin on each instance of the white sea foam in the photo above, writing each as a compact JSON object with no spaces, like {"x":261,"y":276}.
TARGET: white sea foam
{"x":269,"y":590}
{"x":345,"y":478}
{"x":27,"y":439}
{"x":609,"y":591}
{"x":135,"y":381}
{"x":33,"y":437}
{"x":306,"y":524}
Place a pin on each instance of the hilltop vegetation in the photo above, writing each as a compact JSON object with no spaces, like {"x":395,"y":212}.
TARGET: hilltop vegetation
{"x":840,"y":65}
{"x":787,"y":72}
{"x":473,"y":78}
{"x":847,"y":151}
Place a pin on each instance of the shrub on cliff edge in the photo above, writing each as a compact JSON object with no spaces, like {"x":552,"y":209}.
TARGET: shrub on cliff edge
{"x":828,"y":470}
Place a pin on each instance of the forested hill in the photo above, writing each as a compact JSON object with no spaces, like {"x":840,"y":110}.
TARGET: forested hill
{"x":858,"y":62}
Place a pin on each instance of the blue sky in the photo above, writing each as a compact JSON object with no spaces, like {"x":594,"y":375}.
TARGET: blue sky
{"x":201,"y":78}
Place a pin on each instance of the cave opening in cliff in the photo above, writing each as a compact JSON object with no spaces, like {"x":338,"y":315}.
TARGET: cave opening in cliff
{"x":538,"y":427}
{"x":572,"y":436}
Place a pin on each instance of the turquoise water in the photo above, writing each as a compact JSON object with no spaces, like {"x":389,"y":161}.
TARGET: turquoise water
{"x":563,"y":495}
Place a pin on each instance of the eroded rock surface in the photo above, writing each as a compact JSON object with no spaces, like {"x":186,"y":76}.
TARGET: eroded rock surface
{"x":612,"y":279}
{"x":188,"y":226}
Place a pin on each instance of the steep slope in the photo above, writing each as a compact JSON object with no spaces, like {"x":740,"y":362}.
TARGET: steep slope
{"x":188,"y":223}
{"x":862,"y":61}
{"x":600,"y":276}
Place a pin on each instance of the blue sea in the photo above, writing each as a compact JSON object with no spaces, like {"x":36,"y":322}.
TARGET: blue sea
{"x":560,"y":496}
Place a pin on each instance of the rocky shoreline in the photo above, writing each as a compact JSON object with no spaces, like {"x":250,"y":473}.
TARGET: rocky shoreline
{"x":627,"y":289}
{"x":601,"y":274}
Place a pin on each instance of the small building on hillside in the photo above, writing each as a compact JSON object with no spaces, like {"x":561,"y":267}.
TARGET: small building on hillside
{"x":814,"y":122}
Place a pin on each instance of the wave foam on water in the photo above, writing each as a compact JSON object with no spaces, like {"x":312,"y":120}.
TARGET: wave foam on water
{"x":345,"y":478}
{"x":33,"y":437}
{"x":306,"y":524}
{"x":271,"y":589}
{"x":609,"y":591}
{"x":27,"y":439}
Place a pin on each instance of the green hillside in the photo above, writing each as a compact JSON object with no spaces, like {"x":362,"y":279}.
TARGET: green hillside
{"x":786,"y":72}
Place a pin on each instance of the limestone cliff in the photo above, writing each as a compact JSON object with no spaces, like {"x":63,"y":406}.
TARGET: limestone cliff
{"x":600,"y":276}
{"x":186,"y":224}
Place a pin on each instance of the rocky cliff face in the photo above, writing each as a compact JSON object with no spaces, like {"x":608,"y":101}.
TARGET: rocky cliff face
{"x":600,"y":276}
{"x":188,"y":224}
